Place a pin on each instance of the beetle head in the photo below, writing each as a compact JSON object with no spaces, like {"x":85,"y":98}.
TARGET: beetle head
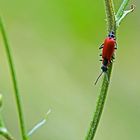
{"x":104,"y":68}
{"x":112,"y":35}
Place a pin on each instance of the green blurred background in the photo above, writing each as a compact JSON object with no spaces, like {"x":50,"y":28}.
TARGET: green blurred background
{"x":55,"y":50}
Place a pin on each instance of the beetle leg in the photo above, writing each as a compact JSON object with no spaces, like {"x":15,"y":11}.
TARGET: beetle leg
{"x":110,"y":61}
{"x":101,"y":46}
{"x":113,"y":56}
{"x":116,"y":45}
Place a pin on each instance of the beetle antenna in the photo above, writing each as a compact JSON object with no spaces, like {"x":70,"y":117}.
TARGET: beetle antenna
{"x":98,"y":78}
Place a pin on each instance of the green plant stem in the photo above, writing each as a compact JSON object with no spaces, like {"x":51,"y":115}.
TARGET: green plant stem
{"x":111,"y":26}
{"x":5,"y":134}
{"x":122,"y":13}
{"x":14,"y":80}
{"x":110,"y":14}
{"x":121,"y":9}
{"x":3,"y":130}
{"x":39,"y":124}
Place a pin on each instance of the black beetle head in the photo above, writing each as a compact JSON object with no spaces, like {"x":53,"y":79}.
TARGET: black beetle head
{"x":104,"y":68}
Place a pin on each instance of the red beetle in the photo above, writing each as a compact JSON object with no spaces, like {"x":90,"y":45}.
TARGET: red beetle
{"x":108,"y":48}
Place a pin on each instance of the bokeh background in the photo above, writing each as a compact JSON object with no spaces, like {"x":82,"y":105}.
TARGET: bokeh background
{"x":55,"y":49}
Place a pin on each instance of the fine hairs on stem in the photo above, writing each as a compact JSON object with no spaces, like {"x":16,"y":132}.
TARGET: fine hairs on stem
{"x":111,"y":26}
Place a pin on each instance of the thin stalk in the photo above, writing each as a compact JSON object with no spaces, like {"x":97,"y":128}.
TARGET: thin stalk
{"x":122,"y":8}
{"x":39,"y":124}
{"x":122,"y":13}
{"x":110,"y":14}
{"x":5,"y":134}
{"x":14,"y":81}
{"x":111,"y":26}
{"x":3,"y":130}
